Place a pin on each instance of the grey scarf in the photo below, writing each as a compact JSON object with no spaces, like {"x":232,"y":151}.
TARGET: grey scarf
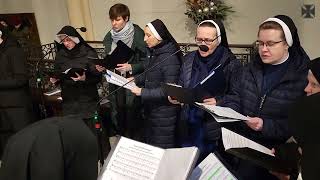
{"x":125,"y":35}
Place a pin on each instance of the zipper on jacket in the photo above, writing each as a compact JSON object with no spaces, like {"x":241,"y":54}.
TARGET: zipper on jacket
{"x":262,"y":100}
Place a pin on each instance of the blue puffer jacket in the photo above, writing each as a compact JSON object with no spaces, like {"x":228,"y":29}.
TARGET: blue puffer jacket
{"x":231,"y":68}
{"x":246,"y":97}
{"x":160,"y":114}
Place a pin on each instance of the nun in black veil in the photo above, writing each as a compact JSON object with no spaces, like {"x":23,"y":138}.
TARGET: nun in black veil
{"x":79,"y":92}
{"x":161,"y":116}
{"x":267,"y":88}
{"x":196,"y":127}
{"x":304,"y":125}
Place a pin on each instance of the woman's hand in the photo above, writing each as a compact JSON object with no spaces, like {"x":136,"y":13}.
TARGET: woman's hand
{"x":173,"y":101}
{"x":53,"y":80}
{"x":124,"y":67}
{"x":130,"y":79}
{"x":280,"y":176}
{"x":255,"y":123}
{"x":210,"y":101}
{"x":100,"y":68}
{"x":79,"y":78}
{"x":136,"y":91}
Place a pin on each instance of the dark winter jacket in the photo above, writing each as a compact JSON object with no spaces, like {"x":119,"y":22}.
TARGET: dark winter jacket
{"x":15,"y":99}
{"x":209,"y":128}
{"x":272,"y":106}
{"x":126,"y":114}
{"x":78,"y":96}
{"x":160,"y":114}
{"x":14,"y":87}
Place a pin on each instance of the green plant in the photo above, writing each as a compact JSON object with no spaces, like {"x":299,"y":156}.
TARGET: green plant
{"x":199,"y":10}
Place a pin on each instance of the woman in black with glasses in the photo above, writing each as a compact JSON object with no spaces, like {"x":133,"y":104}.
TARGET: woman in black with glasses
{"x":199,"y":128}
{"x":268,"y":86}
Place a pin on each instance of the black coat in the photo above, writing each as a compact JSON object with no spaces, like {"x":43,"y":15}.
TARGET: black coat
{"x":246,"y":98}
{"x":231,"y":69}
{"x":161,"y":116}
{"x":59,"y":148}
{"x":80,"y":96}
{"x":15,"y":99}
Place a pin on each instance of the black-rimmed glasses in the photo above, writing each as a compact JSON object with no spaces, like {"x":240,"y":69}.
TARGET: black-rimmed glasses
{"x":206,"y":40}
{"x":268,"y":44}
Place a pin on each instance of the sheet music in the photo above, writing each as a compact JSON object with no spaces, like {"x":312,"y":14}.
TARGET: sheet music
{"x":224,"y":114}
{"x":233,"y":140}
{"x":211,"y":168}
{"x":178,"y":163}
{"x":118,"y":80}
{"x":133,"y":160}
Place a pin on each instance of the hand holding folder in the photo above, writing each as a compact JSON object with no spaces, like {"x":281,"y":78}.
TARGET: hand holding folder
{"x":209,"y":87}
{"x":222,"y":114}
{"x":74,"y":72}
{"x":67,"y":74}
{"x":121,"y":54}
{"x":251,"y":151}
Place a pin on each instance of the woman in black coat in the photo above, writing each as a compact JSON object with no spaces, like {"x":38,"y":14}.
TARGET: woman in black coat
{"x":197,"y":127}
{"x":267,"y":88}
{"x":79,"y":92}
{"x":15,"y":99}
{"x":160,"y":115}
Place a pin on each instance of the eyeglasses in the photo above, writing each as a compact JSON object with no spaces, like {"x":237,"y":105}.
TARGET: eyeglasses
{"x":268,"y":44}
{"x":206,"y":41}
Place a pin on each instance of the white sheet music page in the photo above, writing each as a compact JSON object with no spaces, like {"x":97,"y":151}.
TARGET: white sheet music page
{"x":211,"y":168}
{"x":225,"y":114}
{"x":233,"y":140}
{"x":118,"y":80}
{"x":133,"y":160}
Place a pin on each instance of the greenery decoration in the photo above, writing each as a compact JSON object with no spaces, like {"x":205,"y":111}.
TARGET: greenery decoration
{"x":199,"y":10}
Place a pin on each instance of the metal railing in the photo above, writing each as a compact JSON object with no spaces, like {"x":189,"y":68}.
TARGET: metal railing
{"x":41,"y":59}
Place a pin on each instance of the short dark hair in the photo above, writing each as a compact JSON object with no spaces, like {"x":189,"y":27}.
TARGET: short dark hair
{"x":119,"y":10}
{"x":271,"y":25}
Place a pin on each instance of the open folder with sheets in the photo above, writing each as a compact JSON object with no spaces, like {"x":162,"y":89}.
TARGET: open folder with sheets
{"x":135,"y":160}
{"x":256,"y":153}
{"x":118,"y":80}
{"x":222,"y":114}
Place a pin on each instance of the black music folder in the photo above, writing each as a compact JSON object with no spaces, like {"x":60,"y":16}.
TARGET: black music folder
{"x":266,"y":161}
{"x":67,"y":74}
{"x":251,"y":151}
{"x":121,"y":54}
{"x":72,"y":72}
{"x":210,"y":86}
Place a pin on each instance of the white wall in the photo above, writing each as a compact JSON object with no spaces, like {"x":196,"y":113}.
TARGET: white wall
{"x":241,"y":28}
{"x":51,"y":15}
{"x":310,"y":32}
{"x":244,"y":23}
{"x":15,"y":6}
